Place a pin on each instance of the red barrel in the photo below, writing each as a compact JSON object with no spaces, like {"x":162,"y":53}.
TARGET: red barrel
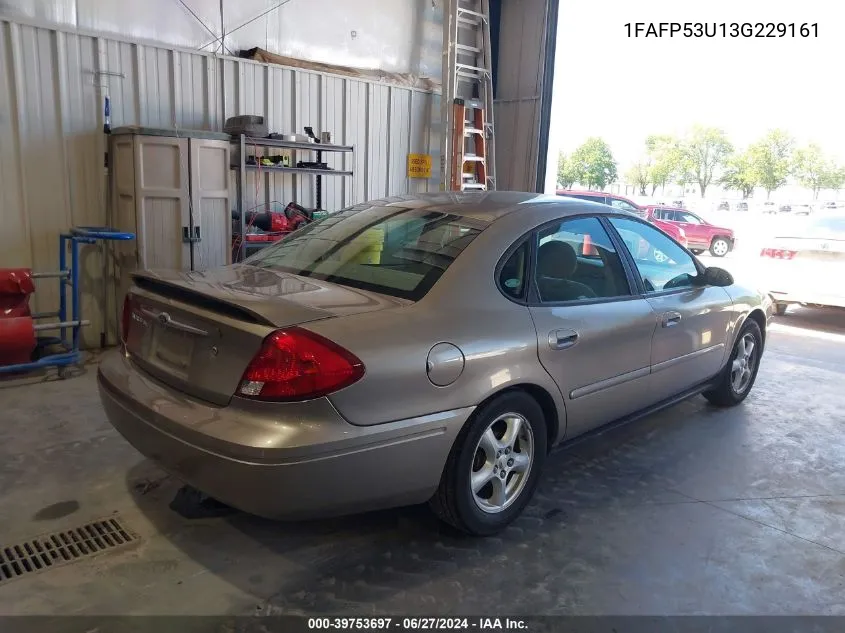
{"x":15,"y":287}
{"x":17,"y":340}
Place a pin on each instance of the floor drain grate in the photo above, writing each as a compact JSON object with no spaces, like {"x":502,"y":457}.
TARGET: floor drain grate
{"x":60,"y":548}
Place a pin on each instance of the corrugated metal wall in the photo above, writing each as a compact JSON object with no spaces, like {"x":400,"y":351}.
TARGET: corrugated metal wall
{"x":52,"y":147}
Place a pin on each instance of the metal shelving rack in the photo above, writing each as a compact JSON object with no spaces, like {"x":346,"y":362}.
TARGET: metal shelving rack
{"x":241,"y":167}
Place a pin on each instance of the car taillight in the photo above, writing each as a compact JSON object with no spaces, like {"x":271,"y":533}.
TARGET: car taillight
{"x":778,"y":253}
{"x":295,"y":364}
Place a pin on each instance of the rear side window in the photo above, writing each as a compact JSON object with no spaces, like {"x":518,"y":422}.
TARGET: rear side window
{"x":576,"y":260}
{"x":396,"y":251}
{"x":512,"y":276}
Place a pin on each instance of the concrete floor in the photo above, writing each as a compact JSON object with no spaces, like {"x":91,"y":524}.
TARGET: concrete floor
{"x":693,"y":511}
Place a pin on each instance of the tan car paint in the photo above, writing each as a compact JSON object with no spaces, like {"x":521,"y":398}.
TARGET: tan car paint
{"x":384,"y":440}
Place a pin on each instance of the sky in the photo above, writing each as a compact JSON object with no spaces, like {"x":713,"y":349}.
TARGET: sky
{"x":623,"y":88}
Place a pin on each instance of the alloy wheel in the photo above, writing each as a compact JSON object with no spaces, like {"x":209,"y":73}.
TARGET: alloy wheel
{"x":502,"y":462}
{"x":742,"y":368}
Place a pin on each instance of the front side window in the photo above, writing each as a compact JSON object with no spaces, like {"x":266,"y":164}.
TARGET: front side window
{"x":662,"y":264}
{"x":576,"y":260}
{"x":394,"y":250}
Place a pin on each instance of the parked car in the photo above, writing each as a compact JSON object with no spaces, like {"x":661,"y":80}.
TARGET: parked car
{"x":628,"y":205}
{"x":701,"y":235}
{"x":741,"y":206}
{"x":806,"y":263}
{"x":801,"y":209}
{"x":830,"y":205}
{"x":769,"y":207}
{"x":311,"y":381}
{"x":724,"y":205}
{"x":785,"y":208}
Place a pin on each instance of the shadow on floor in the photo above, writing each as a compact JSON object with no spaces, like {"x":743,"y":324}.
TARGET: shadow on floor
{"x":405,"y":559}
{"x":824,"y":320}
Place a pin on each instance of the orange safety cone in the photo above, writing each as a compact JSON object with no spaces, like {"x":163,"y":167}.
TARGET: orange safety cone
{"x":587,"y":249}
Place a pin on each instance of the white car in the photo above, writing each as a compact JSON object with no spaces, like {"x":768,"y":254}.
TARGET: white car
{"x":806,"y":264}
{"x":801,"y":209}
{"x":769,"y":207}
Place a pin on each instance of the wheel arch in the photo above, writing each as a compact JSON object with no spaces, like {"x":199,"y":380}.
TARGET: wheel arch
{"x":760,"y":318}
{"x":755,"y":315}
{"x":541,"y":395}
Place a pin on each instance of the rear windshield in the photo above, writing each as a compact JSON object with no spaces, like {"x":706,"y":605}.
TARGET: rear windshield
{"x":394,"y":250}
{"x":832,"y":228}
{"x":835,"y":226}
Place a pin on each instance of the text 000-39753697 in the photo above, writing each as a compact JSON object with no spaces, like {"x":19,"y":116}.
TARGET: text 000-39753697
{"x":722,"y":29}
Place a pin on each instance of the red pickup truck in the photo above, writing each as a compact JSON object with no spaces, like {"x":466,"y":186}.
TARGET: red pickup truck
{"x":618,"y":202}
{"x":701,"y":235}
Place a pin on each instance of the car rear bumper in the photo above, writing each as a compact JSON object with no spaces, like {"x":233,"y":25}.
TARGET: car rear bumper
{"x":812,"y":298}
{"x":299,"y":460}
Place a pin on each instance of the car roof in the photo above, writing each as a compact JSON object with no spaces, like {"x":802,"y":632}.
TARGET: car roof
{"x":489,"y":206}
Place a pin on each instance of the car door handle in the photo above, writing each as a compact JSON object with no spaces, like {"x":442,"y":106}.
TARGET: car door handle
{"x":671,"y":319}
{"x":561,"y":339}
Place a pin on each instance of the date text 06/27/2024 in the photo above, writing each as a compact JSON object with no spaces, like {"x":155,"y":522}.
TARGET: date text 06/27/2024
{"x":723,"y":29}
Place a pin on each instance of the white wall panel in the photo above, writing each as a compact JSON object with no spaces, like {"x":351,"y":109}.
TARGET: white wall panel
{"x":378,"y":145}
{"x":396,"y":36}
{"x":52,"y":85}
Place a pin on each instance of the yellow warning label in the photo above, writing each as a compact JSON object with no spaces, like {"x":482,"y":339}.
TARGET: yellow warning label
{"x":419,"y":166}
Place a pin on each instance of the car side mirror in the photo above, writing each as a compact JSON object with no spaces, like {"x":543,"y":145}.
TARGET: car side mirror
{"x":714,"y":276}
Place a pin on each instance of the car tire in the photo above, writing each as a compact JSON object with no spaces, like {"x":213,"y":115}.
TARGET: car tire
{"x":729,"y":390}
{"x":780,"y":308}
{"x":719,"y":247}
{"x":456,"y":503}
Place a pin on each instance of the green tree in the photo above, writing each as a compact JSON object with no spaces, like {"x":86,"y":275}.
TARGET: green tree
{"x":815,"y":171}
{"x":739,"y":175}
{"x":595,"y":161}
{"x":835,"y":178}
{"x":703,"y":151}
{"x":770,"y":158}
{"x":638,"y":175}
{"x":568,"y":172}
{"x":666,"y":160}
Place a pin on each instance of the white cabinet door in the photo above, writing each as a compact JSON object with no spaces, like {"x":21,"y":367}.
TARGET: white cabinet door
{"x":210,"y":204}
{"x":162,"y":194}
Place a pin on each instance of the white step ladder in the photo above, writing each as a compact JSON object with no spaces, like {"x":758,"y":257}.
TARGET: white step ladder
{"x":467,"y":146}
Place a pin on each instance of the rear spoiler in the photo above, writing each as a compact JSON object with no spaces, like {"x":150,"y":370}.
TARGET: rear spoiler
{"x":177,"y":292}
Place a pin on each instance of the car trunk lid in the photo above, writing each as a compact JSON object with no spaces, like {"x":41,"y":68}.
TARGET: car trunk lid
{"x":198,"y":331}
